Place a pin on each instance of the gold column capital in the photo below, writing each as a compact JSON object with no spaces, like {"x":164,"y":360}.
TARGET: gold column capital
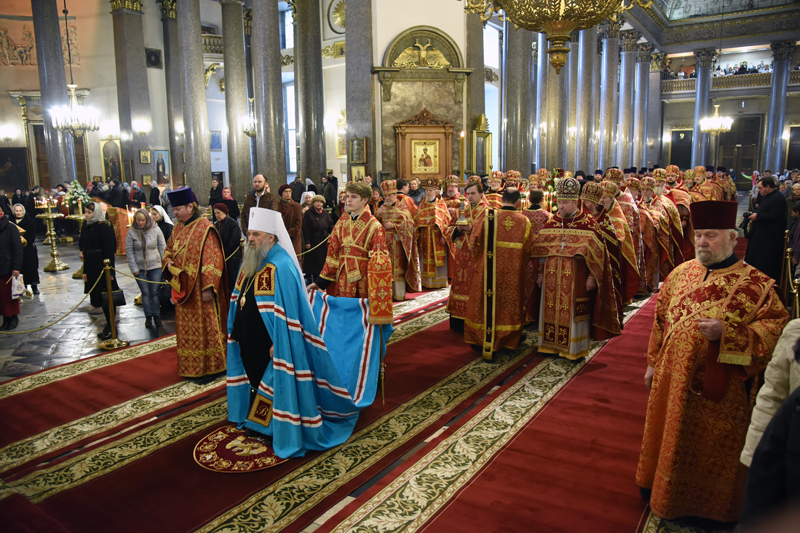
{"x":247,"y":14}
{"x":168,"y":10}
{"x":131,"y":5}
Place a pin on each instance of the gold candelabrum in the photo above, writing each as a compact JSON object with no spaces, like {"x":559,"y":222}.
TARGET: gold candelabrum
{"x":55,"y":264}
{"x":80,"y":218}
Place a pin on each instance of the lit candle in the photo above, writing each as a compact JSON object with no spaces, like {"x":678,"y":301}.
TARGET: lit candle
{"x":461,"y":170}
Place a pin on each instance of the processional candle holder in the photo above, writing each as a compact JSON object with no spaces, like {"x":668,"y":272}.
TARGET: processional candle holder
{"x":462,"y":220}
{"x":80,"y":218}
{"x":55,"y":264}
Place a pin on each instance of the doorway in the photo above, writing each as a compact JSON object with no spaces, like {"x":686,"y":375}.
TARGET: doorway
{"x":739,"y":148}
{"x":81,"y":169}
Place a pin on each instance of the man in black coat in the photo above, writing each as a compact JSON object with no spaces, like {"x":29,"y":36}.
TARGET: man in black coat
{"x":10,"y":265}
{"x":768,"y":224}
{"x":215,"y":196}
{"x":298,"y":188}
{"x":116,"y":195}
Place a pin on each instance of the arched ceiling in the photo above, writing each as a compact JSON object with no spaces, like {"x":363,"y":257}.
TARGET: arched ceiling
{"x":689,"y":9}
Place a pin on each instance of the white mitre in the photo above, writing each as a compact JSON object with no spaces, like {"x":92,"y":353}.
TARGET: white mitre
{"x":271,"y":222}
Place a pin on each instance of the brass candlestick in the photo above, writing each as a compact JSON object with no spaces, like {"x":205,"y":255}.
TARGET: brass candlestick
{"x":80,"y":217}
{"x":55,"y":264}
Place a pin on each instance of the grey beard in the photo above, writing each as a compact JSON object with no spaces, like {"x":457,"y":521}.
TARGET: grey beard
{"x":253,"y":258}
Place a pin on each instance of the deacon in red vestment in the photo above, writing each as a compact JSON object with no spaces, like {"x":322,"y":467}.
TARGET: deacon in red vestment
{"x":496,"y":307}
{"x":717,"y":322}
{"x":458,"y":235}
{"x":495,"y":194}
{"x":668,"y":207}
{"x":431,"y":222}
{"x":628,"y":259}
{"x":194,"y":264}
{"x":538,"y":217}
{"x":578,"y":301}
{"x":404,"y":201}
{"x":399,"y":228}
{"x":453,"y":201}
{"x":677,"y":192}
{"x":663,"y":261}
{"x":707,"y":189}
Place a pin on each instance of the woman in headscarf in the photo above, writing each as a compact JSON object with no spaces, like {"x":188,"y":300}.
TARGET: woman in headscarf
{"x":230,"y":203}
{"x":317,"y":225}
{"x":310,"y":187}
{"x":230,"y":235}
{"x":97,"y":243}
{"x":137,"y":195}
{"x":305,"y":201}
{"x":144,"y":248}
{"x":164,"y":223}
{"x":30,"y":257}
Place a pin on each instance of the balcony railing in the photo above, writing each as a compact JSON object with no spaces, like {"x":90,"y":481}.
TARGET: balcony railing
{"x":212,"y":44}
{"x":743,"y":81}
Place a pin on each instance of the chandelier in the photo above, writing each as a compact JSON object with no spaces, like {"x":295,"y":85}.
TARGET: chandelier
{"x":555,"y":18}
{"x":716,"y":124}
{"x":73,"y":118}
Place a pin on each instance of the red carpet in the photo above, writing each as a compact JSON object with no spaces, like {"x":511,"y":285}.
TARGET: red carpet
{"x":172,"y":493}
{"x":572,"y":468}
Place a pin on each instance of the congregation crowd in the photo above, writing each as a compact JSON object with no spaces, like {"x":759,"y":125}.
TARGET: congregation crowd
{"x":558,"y":254}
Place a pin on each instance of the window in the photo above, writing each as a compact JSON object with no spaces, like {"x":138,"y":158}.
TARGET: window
{"x":287,"y":29}
{"x":491,"y":46}
{"x":291,"y":127}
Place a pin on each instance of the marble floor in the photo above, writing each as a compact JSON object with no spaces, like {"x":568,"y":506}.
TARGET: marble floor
{"x":74,"y":337}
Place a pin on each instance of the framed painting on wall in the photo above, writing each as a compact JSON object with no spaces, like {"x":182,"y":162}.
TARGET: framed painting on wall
{"x":144,"y":157}
{"x":358,"y":150}
{"x":425,"y":157}
{"x":162,"y":164}
{"x":357,"y":172}
{"x":112,"y":159}
{"x":216,"y":141}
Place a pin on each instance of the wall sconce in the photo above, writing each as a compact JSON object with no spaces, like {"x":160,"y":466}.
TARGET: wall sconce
{"x":141,"y":126}
{"x":109,"y":129}
{"x":7,"y":133}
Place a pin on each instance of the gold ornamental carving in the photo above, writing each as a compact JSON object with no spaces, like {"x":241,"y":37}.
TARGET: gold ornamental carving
{"x":628,"y":40}
{"x":421,"y":56}
{"x":658,"y":62}
{"x":132,"y":5}
{"x":247,"y":15}
{"x":287,"y":60}
{"x":644,"y":52}
{"x":209,"y":71}
{"x":327,"y":51}
{"x":490,"y":75}
{"x":168,"y":10}
{"x":336,"y":16}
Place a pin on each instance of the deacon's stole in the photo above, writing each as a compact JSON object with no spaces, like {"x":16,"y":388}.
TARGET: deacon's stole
{"x":463,"y":259}
{"x":608,"y":234}
{"x":496,"y":307}
{"x":431,"y":222}
{"x":401,"y":244}
{"x":574,"y":251}
{"x":359,"y":264}
{"x":198,"y":264}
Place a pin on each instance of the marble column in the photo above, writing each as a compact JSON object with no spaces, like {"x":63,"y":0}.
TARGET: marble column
{"x":628,"y":43}
{"x":782,"y":55}
{"x":533,"y":134}
{"x":542,"y":72}
{"x":573,"y":62}
{"x":642,"y":77}
{"x":557,"y":118}
{"x":654,"y":130}
{"x":476,"y":95}
{"x":53,"y":88}
{"x":519,"y":62}
{"x":236,"y":105}
{"x":359,"y":82}
{"x":174,"y":77}
{"x":594,"y":133}
{"x":133,"y":92}
{"x":702,"y":105}
{"x":195,"y":113}
{"x":270,"y":137}
{"x":247,"y":15}
{"x":609,"y":32}
{"x":308,"y":90}
{"x":585,"y":58}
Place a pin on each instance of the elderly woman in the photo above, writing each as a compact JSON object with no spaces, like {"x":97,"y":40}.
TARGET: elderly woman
{"x":137,"y":196}
{"x":97,"y":243}
{"x":144,"y":248}
{"x":317,"y":225}
{"x":231,"y":236}
{"x":30,"y":257}
{"x":164,"y":222}
{"x":305,"y":201}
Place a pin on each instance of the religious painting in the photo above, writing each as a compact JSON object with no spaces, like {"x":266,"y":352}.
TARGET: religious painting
{"x":18,"y":41}
{"x":358,"y":150}
{"x":162,"y":164}
{"x":144,"y":157}
{"x":481,"y":152}
{"x":680,"y":148}
{"x":357,"y":172}
{"x":14,"y":169}
{"x":112,"y":159}
{"x":793,"y":150}
{"x":425,"y":157}
{"x":341,"y":136}
{"x":147,"y":179}
{"x":339,"y":49}
{"x":216,"y":141}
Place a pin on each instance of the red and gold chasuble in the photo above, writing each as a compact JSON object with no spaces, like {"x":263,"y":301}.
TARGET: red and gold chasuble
{"x":662,"y":224}
{"x":649,"y":258}
{"x":667,"y":205}
{"x":431,"y":222}
{"x":703,"y":392}
{"x":401,"y":245}
{"x":629,"y":208}
{"x":573,"y":251}
{"x":463,"y":258}
{"x":608,"y":233}
{"x":349,"y":246}
{"x":629,"y":260}
{"x":496,"y":308}
{"x":538,"y":218}
{"x":198,"y":264}
{"x":709,"y":191}
{"x":494,"y":199}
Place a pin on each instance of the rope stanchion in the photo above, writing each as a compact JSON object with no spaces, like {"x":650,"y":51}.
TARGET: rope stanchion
{"x":140,"y":279}
{"x":57,"y":320}
{"x":113,"y":342}
{"x":315,"y":247}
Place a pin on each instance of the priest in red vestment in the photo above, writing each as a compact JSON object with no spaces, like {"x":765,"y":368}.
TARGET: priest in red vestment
{"x":629,"y":261}
{"x":578,"y":301}
{"x":717,"y":322}
{"x":194,"y":265}
{"x":538,"y":217}
{"x":495,"y":194}
{"x":496,"y":307}
{"x":399,"y":228}
{"x":431,"y":222}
